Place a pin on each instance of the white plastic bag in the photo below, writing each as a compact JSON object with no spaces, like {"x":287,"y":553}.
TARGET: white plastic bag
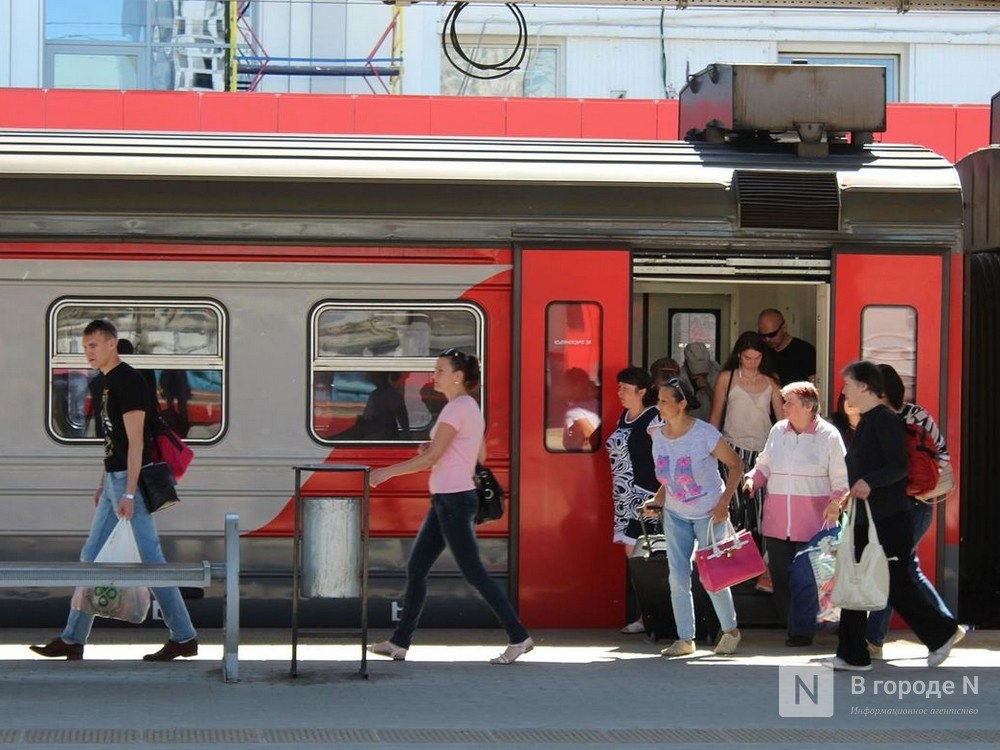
{"x":130,"y":604}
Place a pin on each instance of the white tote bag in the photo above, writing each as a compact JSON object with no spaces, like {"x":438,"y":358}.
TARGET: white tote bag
{"x":861,"y":585}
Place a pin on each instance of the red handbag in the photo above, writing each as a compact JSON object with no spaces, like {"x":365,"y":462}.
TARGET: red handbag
{"x":729,"y":561}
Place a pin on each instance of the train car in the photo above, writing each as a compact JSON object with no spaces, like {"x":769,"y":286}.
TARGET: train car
{"x":293,"y":291}
{"x":979,"y":523}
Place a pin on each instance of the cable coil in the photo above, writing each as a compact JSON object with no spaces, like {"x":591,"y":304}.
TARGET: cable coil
{"x":490,"y":71}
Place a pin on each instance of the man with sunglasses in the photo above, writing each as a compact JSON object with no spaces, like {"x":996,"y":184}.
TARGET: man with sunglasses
{"x":794,"y":359}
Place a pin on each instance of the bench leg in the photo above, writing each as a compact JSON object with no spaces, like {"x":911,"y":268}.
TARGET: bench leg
{"x":230,"y":652}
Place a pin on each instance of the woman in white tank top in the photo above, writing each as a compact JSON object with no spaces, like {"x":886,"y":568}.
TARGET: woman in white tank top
{"x":747,"y":397}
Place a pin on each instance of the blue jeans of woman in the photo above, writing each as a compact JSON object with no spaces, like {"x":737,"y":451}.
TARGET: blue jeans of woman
{"x":451,"y":522}
{"x":175,"y":614}
{"x":681,"y":534}
{"x":878,"y":622}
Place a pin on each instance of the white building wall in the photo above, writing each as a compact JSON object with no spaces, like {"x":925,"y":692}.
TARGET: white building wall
{"x":955,"y":73}
{"x":943,"y":57}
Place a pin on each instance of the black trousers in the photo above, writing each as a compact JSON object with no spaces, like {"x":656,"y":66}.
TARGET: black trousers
{"x":908,"y":597}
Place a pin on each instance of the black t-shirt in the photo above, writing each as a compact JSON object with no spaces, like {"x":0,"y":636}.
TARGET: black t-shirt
{"x":124,"y":390}
{"x":795,"y":362}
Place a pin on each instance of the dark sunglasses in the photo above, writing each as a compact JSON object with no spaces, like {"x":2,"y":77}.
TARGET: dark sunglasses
{"x":773,"y":333}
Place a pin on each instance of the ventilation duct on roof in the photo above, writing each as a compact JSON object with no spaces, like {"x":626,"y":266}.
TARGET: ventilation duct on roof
{"x":787,"y":200}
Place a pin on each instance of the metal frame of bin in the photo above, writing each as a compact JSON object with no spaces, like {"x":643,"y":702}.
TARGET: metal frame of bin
{"x":297,"y":555}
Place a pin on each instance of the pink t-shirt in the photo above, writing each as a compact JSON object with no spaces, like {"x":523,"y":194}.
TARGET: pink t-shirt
{"x":453,"y":471}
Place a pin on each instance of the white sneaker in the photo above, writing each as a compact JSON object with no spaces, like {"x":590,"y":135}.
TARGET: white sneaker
{"x":728,"y":642}
{"x":936,"y":658}
{"x":839,"y":665}
{"x":634,"y":628}
{"x":679,"y":648}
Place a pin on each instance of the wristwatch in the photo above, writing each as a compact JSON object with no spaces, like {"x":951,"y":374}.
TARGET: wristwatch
{"x":128,"y":496}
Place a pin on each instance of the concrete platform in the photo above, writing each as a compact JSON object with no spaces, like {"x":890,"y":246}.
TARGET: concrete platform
{"x":577,"y":688}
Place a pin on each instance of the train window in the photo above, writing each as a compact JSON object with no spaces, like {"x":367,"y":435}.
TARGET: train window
{"x":694,"y":325}
{"x":371,"y":367}
{"x":179,"y":346}
{"x":572,"y":377}
{"x":889,"y":336}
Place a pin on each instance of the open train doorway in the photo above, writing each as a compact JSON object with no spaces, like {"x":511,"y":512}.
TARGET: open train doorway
{"x":678,"y":301}
{"x":713,"y":300}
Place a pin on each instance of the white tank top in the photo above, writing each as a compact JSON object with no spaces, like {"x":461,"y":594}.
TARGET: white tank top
{"x":748,"y":417}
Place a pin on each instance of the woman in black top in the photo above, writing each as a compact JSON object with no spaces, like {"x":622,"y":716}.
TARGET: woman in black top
{"x":633,"y":475}
{"x":877,"y":468}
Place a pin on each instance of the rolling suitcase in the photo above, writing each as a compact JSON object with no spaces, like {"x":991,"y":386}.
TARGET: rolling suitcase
{"x":649,"y":572}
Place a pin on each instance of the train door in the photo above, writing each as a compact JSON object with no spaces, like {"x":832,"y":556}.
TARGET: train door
{"x":893,"y":308}
{"x":574,"y":327}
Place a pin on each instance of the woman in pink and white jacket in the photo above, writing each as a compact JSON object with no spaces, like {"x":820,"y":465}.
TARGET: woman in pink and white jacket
{"x":802,"y":466}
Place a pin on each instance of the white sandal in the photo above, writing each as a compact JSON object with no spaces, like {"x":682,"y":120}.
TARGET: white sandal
{"x":514,"y":651}
{"x":388,"y":648}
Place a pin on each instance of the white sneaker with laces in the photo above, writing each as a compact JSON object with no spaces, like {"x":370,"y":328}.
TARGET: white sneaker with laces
{"x":936,"y":657}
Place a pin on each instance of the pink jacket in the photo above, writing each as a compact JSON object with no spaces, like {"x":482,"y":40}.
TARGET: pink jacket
{"x":802,"y":473}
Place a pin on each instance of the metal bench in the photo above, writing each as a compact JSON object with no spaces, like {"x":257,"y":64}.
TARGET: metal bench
{"x":201,"y":574}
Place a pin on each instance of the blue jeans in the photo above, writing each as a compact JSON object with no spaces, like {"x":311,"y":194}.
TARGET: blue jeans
{"x":451,"y":521}
{"x":681,"y":535}
{"x":878,"y":622}
{"x":175,"y":614}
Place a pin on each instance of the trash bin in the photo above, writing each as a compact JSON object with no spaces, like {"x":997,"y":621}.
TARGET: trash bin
{"x":331,"y":547}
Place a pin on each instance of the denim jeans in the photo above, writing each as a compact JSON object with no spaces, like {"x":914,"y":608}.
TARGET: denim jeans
{"x":681,"y":535}
{"x":451,"y":521}
{"x":175,"y":614}
{"x":878,"y":622}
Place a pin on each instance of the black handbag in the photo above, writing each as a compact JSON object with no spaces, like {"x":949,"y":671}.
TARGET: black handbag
{"x":158,"y":486}
{"x":490,"y":495}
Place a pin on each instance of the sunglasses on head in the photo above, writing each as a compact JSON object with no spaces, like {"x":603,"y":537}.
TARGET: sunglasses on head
{"x":454,"y":354}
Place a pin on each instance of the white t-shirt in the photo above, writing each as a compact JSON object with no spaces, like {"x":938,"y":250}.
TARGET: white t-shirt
{"x":687,"y":469}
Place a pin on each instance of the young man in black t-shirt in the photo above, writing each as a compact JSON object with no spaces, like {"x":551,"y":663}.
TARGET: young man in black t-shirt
{"x":126,"y":411}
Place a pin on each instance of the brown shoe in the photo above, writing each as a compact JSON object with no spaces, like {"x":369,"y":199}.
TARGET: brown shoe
{"x":173,"y":649}
{"x":58,"y":647}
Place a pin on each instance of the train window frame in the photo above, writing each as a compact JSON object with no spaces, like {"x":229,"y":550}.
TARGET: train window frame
{"x":354,"y":365}
{"x":216,"y":362}
{"x":907,"y":368}
{"x":597,"y":357}
{"x":676,"y":344}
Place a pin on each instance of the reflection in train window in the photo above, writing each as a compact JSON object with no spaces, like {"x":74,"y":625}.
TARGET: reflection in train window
{"x":178,"y":346}
{"x":371,"y":367}
{"x":889,"y":336}
{"x":572,"y":377}
{"x":694,"y":325}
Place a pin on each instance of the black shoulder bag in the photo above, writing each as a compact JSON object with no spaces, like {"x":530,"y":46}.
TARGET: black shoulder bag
{"x":490,"y":495}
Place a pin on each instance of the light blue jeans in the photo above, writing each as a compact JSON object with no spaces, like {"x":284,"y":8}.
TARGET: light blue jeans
{"x":878,"y":622}
{"x":681,"y":534}
{"x":175,"y":614}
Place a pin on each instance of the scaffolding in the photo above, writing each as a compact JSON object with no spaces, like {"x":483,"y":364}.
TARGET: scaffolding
{"x":249,"y":61}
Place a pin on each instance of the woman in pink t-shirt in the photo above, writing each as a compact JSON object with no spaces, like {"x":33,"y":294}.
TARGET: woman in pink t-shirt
{"x":451,"y":455}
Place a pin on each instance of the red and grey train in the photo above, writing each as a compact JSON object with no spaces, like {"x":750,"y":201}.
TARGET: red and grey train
{"x":276,"y":285}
